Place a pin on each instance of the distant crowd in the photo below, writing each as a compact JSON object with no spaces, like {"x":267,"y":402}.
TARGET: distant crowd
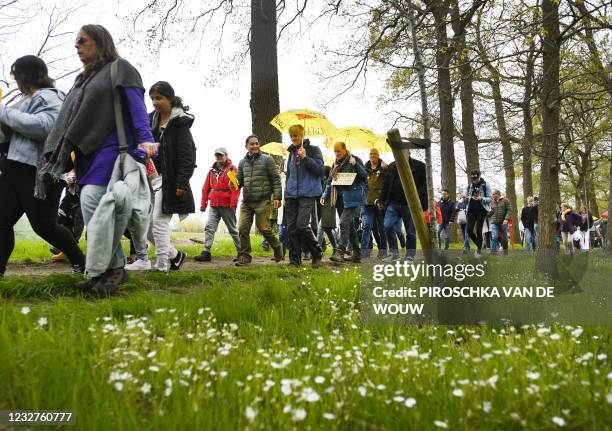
{"x":95,"y":160}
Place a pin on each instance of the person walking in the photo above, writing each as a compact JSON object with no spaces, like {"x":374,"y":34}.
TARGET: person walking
{"x":570,"y":222}
{"x":353,"y":199}
{"x":447,"y":209}
{"x":393,"y":201}
{"x":501,"y":211}
{"x":26,"y":126}
{"x":460,"y":207}
{"x":527,"y":220}
{"x":373,"y":218}
{"x":171,"y":171}
{"x":258,"y":177}
{"x":584,"y":228}
{"x":478,"y":198}
{"x":87,"y":125}
{"x":327,"y":224}
{"x":221,"y":189}
{"x":302,"y":191}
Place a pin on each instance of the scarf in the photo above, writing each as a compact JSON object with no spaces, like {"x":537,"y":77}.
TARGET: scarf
{"x":59,"y":161}
{"x":337,"y":166}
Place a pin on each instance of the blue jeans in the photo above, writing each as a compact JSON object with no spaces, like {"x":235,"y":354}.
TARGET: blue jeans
{"x":466,"y":237}
{"x":373,"y":220}
{"x":495,"y":229}
{"x":531,"y":240}
{"x":393,"y":226}
{"x":446,"y":229}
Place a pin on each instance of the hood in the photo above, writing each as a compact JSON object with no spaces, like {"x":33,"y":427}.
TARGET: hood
{"x":50,"y":94}
{"x":177,"y":114}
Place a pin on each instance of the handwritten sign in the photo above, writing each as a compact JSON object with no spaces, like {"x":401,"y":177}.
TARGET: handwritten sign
{"x":344,"y":179}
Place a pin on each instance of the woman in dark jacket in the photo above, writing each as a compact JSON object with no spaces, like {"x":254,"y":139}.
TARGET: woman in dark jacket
{"x":169,"y":177}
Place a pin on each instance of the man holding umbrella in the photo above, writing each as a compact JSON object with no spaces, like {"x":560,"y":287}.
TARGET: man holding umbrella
{"x":302,"y":190}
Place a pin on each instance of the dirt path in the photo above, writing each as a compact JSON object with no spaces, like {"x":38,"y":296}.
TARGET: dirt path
{"x":50,"y":267}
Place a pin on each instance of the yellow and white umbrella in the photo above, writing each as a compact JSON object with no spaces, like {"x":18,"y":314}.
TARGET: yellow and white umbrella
{"x":314,"y":122}
{"x":357,"y":138}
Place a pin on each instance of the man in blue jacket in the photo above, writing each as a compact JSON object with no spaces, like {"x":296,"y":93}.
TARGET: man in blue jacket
{"x":302,"y":190}
{"x":353,"y":198}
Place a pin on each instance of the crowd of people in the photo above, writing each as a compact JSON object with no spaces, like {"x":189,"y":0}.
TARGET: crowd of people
{"x":124,"y":172}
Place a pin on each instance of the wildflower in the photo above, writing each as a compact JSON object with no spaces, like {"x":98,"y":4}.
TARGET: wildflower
{"x":398,"y":399}
{"x":145,"y":388}
{"x":558,"y":421}
{"x":492,"y":380}
{"x":250,"y":413}
{"x":533,"y":375}
{"x":310,"y":395}
{"x":441,"y":424}
{"x":362,"y":391}
{"x":602,"y":356}
{"x":319,"y":380}
{"x":329,"y":416}
{"x":486,"y":406}
{"x":299,"y":415}
{"x":154,"y":368}
{"x":25,"y":310}
{"x":555,"y":336}
{"x":42,"y":321}
{"x":119,"y":386}
{"x":410,"y":402}
{"x":458,"y":393}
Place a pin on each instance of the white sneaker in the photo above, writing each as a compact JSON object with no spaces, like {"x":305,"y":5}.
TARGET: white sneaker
{"x":162,"y":265}
{"x":139,"y":265}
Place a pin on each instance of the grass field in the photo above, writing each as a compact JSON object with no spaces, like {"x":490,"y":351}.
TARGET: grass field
{"x":269,"y":347}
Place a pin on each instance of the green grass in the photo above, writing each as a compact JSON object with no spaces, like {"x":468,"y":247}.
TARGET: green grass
{"x":201,"y":349}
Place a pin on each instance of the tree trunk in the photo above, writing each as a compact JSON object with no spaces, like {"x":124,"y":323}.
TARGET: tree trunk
{"x":527,"y":142}
{"x":507,"y":156}
{"x":264,"y":102}
{"x":445,"y":96}
{"x":591,"y":197}
{"x":418,"y":60}
{"x":609,"y":229}
{"x":466,"y":94}
{"x":549,"y":175}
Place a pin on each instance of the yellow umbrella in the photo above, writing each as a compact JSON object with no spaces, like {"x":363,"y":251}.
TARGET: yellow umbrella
{"x":357,"y":138}
{"x":275,"y":149}
{"x":314,"y":122}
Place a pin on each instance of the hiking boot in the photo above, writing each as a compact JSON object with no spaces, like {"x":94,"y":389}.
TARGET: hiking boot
{"x":87,"y":285}
{"x":243,"y":260}
{"x":356,"y":256}
{"x":205,"y":256}
{"x":139,"y":265}
{"x":179,"y":259}
{"x":78,"y":269}
{"x":236,"y":259}
{"x":392,"y":257}
{"x":110,"y":282}
{"x":316,"y":262}
{"x":278,"y":253}
{"x":58,"y":257}
{"x":338,"y":256}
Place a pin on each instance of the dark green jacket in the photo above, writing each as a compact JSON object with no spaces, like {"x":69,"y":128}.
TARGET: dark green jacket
{"x":376,"y":179}
{"x":500,"y":211}
{"x":259,"y":178}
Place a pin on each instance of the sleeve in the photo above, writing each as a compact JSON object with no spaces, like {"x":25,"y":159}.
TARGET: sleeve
{"x":486,"y":199}
{"x":240,"y":175}
{"x":139,"y":117}
{"x":235,"y":194}
{"x":314,"y":164}
{"x":277,"y":190}
{"x":185,"y":156}
{"x":362,"y":174}
{"x":205,"y":190}
{"x":34,"y":125}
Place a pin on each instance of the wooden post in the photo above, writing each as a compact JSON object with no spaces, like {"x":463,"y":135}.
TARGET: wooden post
{"x":401,"y":154}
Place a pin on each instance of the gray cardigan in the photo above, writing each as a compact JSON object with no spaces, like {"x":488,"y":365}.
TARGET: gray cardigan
{"x":31,"y":121}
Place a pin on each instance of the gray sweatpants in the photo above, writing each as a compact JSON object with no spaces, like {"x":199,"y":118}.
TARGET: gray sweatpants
{"x":215,"y":214}
{"x":159,"y":229}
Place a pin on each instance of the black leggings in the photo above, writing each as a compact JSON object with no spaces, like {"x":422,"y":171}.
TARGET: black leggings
{"x":476,"y":220}
{"x":17,"y":198}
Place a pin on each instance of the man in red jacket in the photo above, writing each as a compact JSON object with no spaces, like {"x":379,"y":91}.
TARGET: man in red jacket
{"x":223,"y":195}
